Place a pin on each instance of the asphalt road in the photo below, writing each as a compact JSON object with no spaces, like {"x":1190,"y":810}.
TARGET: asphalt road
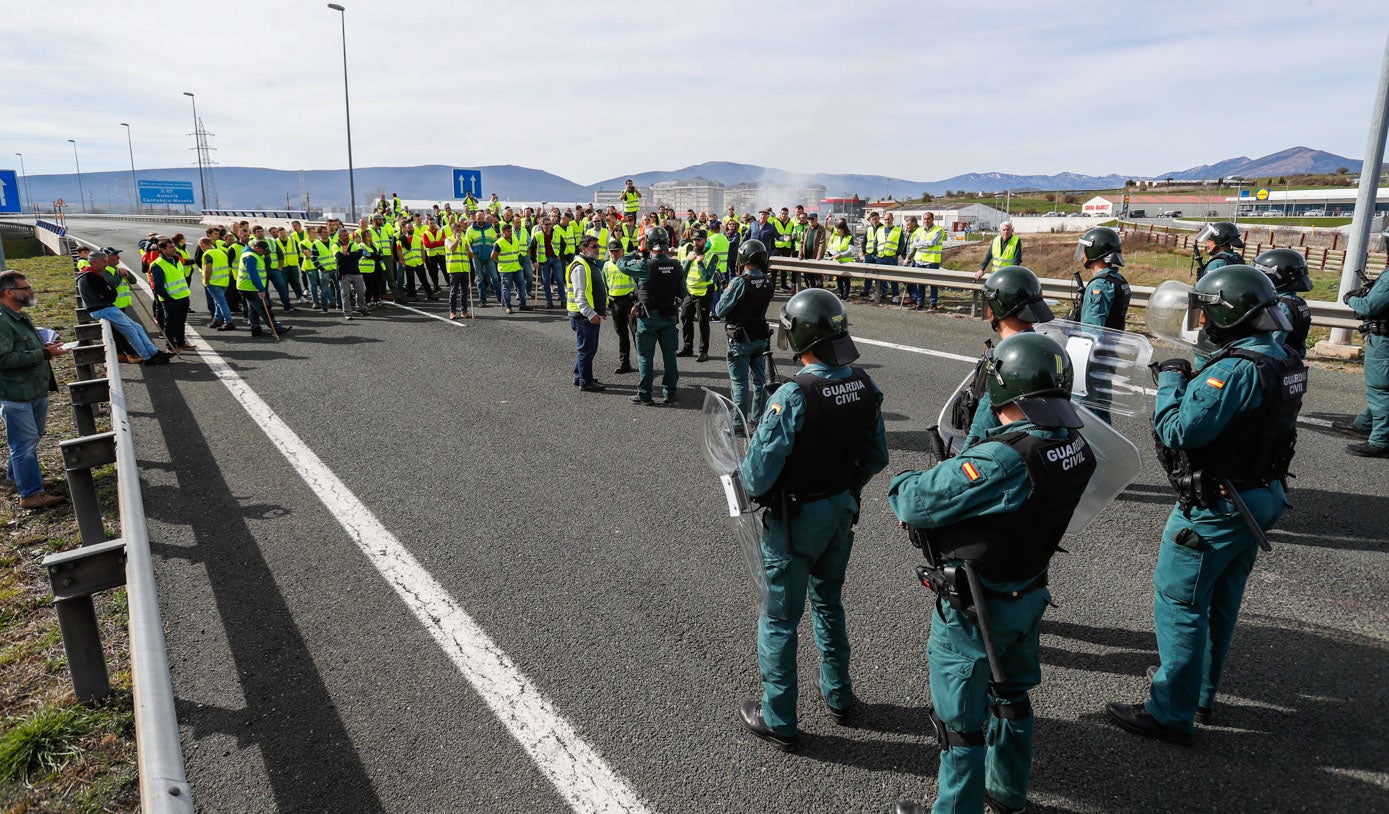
{"x":588,"y":540}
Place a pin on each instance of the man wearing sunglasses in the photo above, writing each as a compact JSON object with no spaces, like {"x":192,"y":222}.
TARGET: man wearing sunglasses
{"x":25,"y":381}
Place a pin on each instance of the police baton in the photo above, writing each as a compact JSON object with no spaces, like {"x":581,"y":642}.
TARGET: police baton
{"x":1247,"y":516}
{"x":981,"y":615}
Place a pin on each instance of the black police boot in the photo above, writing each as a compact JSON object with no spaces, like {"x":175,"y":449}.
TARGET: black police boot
{"x":1134,"y":718}
{"x":703,"y":356}
{"x":1204,"y":715}
{"x":990,"y":804}
{"x":643,"y":402}
{"x":625,"y":367}
{"x":750,"y":716}
{"x":685,"y":352}
{"x":1368,"y":450}
{"x":842,"y":715}
{"x":1347,"y":426}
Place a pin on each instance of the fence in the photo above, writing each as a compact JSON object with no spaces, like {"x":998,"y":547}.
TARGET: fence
{"x":100,"y":564}
{"x":1330,"y":259}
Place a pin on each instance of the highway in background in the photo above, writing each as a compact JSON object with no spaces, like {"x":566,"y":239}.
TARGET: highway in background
{"x":585,"y":540}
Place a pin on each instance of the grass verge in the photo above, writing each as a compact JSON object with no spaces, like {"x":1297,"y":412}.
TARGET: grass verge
{"x":57,"y":755}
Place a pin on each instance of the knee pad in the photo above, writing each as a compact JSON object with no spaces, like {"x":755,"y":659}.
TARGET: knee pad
{"x":1015,"y":711}
{"x":949,"y":739}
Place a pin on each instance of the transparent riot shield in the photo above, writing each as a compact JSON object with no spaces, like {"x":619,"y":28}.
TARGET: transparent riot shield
{"x":953,"y":424}
{"x":724,"y":452}
{"x":1116,"y":466}
{"x":1111,"y":366}
{"x":1171,"y":317}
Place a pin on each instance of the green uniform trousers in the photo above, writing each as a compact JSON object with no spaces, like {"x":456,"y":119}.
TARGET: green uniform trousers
{"x":1374,"y":419}
{"x":1202,"y":568}
{"x":744,"y":360}
{"x":653,"y":330}
{"x":821,"y":538}
{"x":963,"y":697}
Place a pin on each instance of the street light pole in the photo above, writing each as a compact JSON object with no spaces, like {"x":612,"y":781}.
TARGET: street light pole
{"x":347,"y":105}
{"x":198,"y":148}
{"x":134,"y":183}
{"x":27,"y":196}
{"x":81,"y":190}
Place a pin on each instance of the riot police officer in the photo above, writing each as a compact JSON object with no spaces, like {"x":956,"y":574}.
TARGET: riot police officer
{"x":818,"y":443}
{"x":989,"y":521}
{"x":1013,"y":303}
{"x":743,"y":309}
{"x":1220,"y":240}
{"x":660,"y":289}
{"x":1105,"y":301}
{"x":1226,"y":436}
{"x":1287,"y":270}
{"x":1371,"y":303}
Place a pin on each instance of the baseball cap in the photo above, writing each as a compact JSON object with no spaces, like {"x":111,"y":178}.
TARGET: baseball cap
{"x":110,"y":250}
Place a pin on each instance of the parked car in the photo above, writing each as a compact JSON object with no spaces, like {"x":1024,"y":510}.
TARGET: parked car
{"x":1170,"y":213}
{"x":1314,"y":213}
{"x":1138,"y":213}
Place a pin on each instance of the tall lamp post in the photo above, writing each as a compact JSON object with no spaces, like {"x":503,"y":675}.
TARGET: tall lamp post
{"x":347,"y":104}
{"x":198,"y":148}
{"x":81,"y":190}
{"x":25,"y":175}
{"x":134,"y":183}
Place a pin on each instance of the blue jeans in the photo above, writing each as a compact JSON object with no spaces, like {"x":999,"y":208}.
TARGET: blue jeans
{"x":24,"y":422}
{"x":257,"y":310}
{"x":277,"y":279}
{"x":133,"y":333}
{"x":517,"y":280}
{"x":882,"y":285}
{"x":552,"y":272}
{"x":217,"y":303}
{"x":485,"y":273}
{"x":586,"y":343}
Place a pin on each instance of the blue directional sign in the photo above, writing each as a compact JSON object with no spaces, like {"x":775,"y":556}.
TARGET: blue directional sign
{"x":465,"y":181}
{"x":166,"y":192}
{"x":9,"y":191}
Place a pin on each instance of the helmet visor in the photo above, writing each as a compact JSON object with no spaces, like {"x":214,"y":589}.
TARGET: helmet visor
{"x":1050,"y":411}
{"x":1207,"y":232}
{"x":1197,"y":300}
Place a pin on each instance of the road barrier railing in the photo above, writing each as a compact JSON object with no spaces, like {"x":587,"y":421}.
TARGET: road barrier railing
{"x":99,"y":564}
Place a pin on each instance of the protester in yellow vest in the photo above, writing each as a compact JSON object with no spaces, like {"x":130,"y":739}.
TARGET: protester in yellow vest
{"x":216,"y":278}
{"x":1005,"y":250}
{"x":507,"y":254}
{"x":171,"y":287}
{"x":699,"y":269}
{"x":621,"y":290}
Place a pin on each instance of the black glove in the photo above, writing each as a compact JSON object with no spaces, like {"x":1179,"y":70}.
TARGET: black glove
{"x":1359,"y":292}
{"x":935,"y":445}
{"x":1181,"y":366}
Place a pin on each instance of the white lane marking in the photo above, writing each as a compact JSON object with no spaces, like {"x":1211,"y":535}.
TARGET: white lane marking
{"x":454,"y":323}
{"x":574,"y":767}
{"x":910,"y":349}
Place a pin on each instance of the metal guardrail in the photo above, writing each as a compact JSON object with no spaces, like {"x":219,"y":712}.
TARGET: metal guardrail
{"x":1325,"y":314}
{"x":99,"y":564}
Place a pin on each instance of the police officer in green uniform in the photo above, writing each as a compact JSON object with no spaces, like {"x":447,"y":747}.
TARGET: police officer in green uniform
{"x":1013,"y":303}
{"x":743,"y":309}
{"x":1371,"y":303}
{"x":1287,"y":270}
{"x":660,"y":288}
{"x":1220,"y":239}
{"x":1106,"y":299}
{"x":999,"y":509}
{"x":817,"y":445}
{"x":1225,"y":437}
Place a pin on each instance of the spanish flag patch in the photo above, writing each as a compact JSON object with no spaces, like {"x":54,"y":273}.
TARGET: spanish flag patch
{"x":774,"y":407}
{"x":971,"y":472}
{"x":1216,"y":383}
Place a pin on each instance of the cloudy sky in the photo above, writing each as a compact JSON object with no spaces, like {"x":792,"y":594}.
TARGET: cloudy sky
{"x":922,"y":90}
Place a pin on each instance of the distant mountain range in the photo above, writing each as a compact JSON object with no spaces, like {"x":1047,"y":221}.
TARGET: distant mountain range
{"x":254,"y":187}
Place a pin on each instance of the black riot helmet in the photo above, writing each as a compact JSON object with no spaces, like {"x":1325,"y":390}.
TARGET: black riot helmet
{"x":1100,"y":243}
{"x":658,"y":239}
{"x":1286,"y":268}
{"x":1033,"y":372}
{"x":1014,"y":291}
{"x":815,"y":319}
{"x":1221,"y":233}
{"x":1237,"y":301}
{"x":755,"y":252}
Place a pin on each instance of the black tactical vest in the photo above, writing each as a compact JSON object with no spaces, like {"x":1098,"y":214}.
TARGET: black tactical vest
{"x":661,"y":291}
{"x":840,"y":417}
{"x":746,"y":321}
{"x":1302,"y":321}
{"x":1119,"y":309}
{"x":1018,"y":545}
{"x":1254,"y":449}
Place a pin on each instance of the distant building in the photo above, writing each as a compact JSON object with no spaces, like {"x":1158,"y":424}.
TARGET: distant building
{"x":752,"y":197}
{"x":1305,"y":202}
{"x":699,"y":194}
{"x":1191,"y":206}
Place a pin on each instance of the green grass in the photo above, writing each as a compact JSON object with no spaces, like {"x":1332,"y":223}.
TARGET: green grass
{"x":43,"y":742}
{"x":22,"y":248}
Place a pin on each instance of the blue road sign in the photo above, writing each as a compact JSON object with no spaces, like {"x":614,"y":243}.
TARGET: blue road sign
{"x":166,"y":192}
{"x":465,"y":181}
{"x":9,"y":191}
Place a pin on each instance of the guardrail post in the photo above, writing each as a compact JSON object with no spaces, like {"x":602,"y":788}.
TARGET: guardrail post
{"x":88,"y":334}
{"x":80,"y":455}
{"x":85,"y":395}
{"x":74,"y":576}
{"x":85,"y":358}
